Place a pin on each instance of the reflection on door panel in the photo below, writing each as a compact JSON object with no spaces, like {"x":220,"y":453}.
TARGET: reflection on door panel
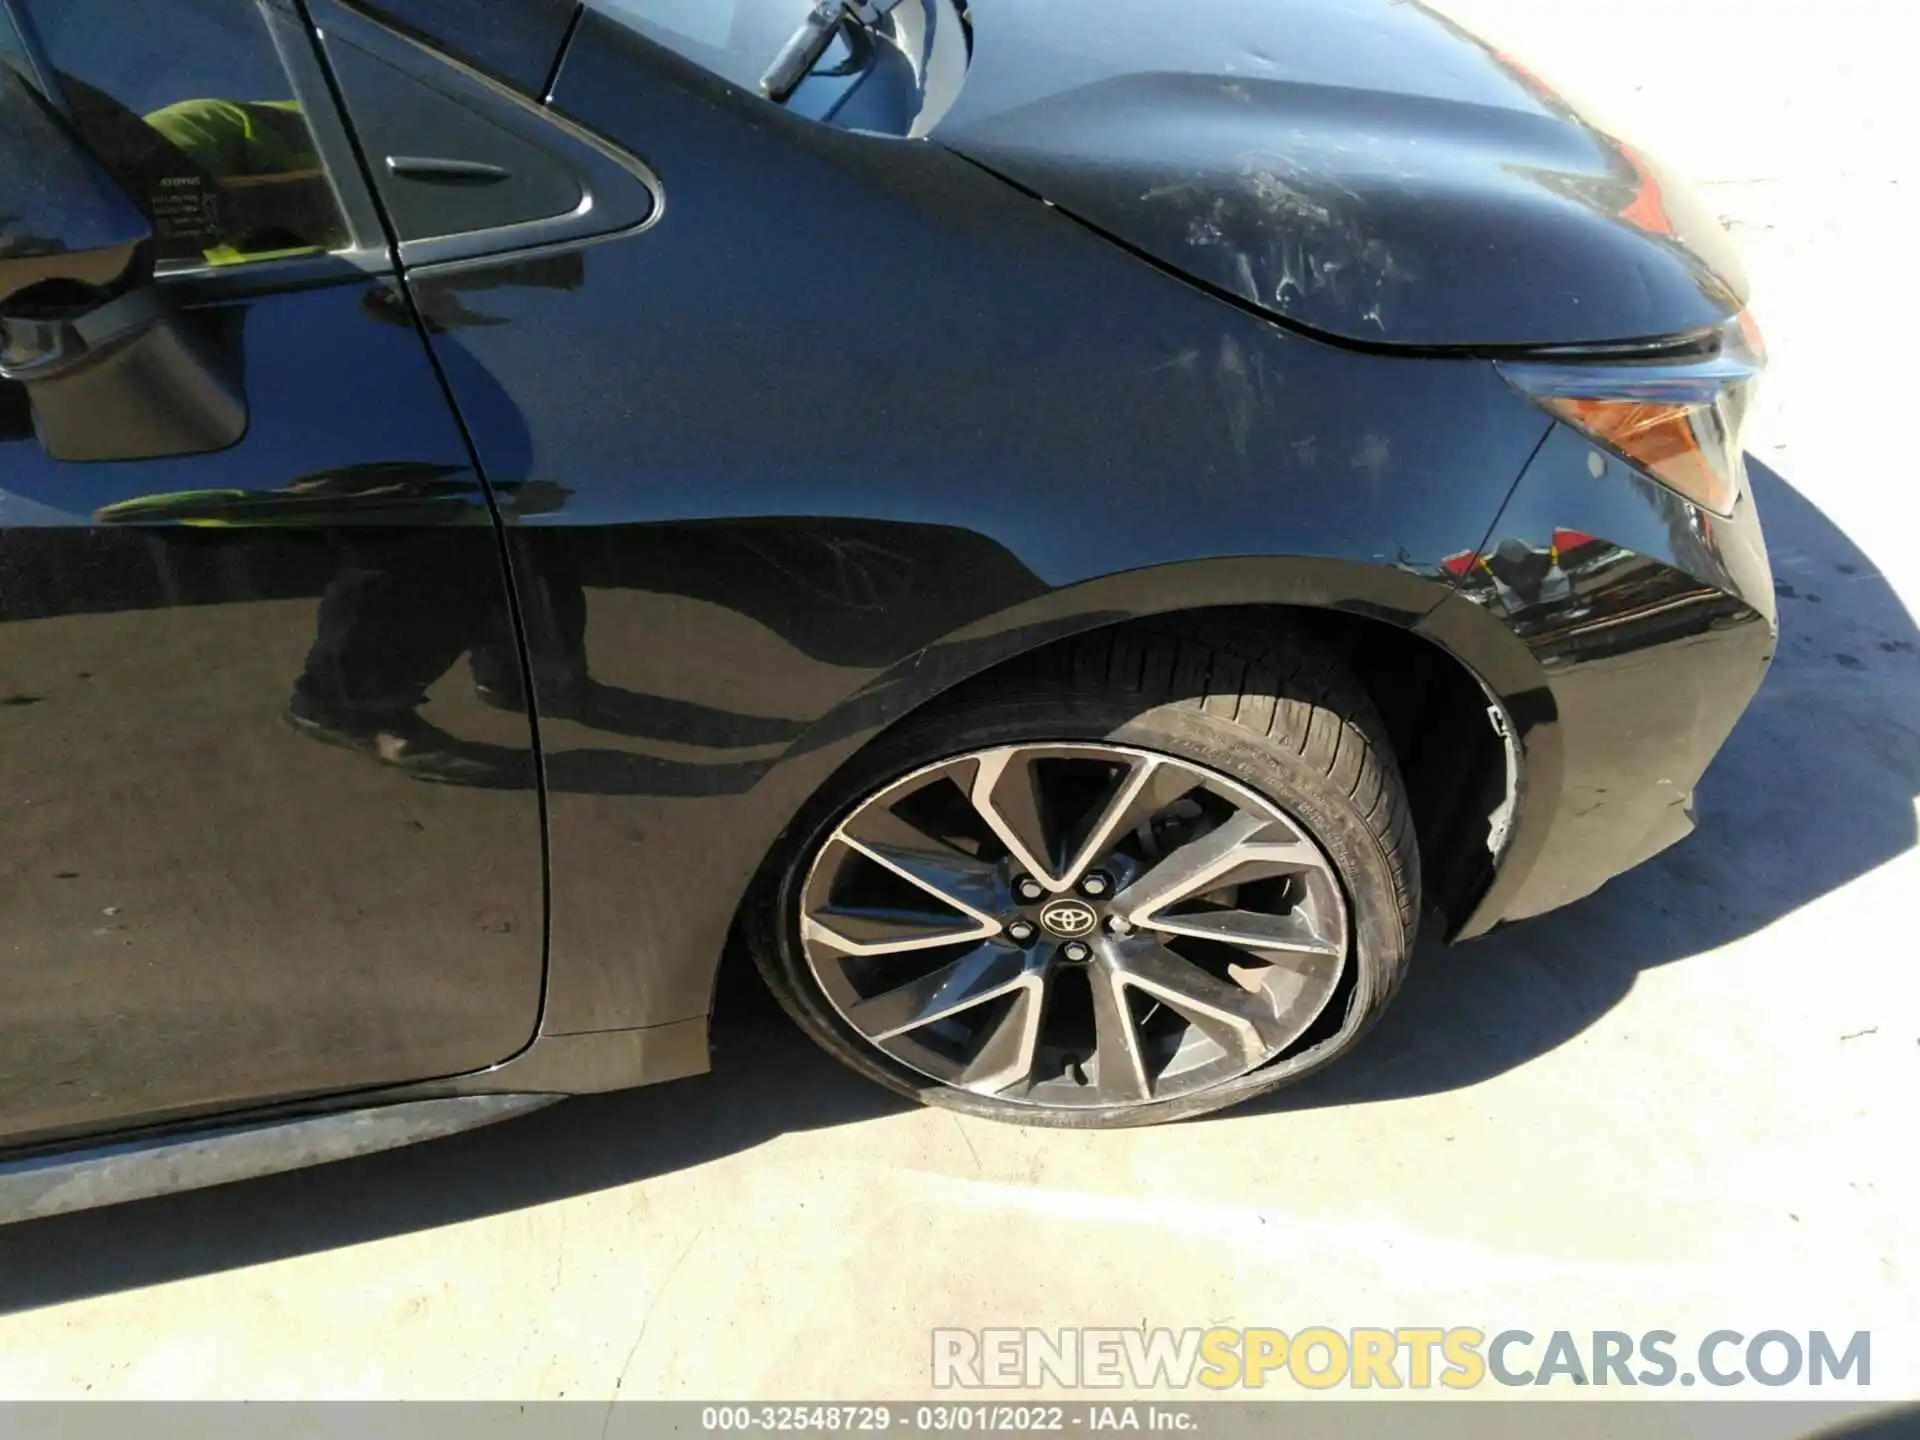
{"x":263,"y":836}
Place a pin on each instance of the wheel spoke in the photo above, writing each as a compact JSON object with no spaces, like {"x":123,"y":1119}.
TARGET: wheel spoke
{"x":978,"y":976}
{"x":1148,"y":787}
{"x":889,"y":932}
{"x":969,"y":885}
{"x":1006,"y":1053}
{"x":928,"y":863}
{"x":1241,"y":1021}
{"x":1247,"y":847}
{"x":1119,"y":1069}
{"x":1007,"y":796}
{"x":1271,"y":935}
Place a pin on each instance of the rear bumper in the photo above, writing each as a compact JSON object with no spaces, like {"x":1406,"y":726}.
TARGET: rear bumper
{"x":1648,"y":626}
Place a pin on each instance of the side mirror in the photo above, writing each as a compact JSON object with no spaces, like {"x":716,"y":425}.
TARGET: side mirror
{"x":111,"y":372}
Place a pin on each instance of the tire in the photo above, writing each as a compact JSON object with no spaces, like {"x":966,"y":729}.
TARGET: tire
{"x":1267,"y":707}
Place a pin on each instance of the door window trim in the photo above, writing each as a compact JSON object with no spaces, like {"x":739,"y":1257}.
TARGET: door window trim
{"x":624,"y":196}
{"x":27,"y":56}
{"x":370,"y":250}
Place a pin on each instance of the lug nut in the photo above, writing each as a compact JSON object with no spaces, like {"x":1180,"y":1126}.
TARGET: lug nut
{"x":1078,"y":953}
{"x":1119,"y":925}
{"x":1028,"y":889}
{"x":1096,"y":885}
{"x":1021,"y":932}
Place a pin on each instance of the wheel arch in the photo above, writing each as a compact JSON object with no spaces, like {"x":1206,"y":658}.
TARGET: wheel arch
{"x":1419,"y":651}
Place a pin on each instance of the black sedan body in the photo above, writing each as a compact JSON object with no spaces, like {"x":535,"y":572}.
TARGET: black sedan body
{"x":668,"y":447}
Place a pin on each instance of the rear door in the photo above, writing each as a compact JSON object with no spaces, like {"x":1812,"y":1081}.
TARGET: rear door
{"x":263,"y":835}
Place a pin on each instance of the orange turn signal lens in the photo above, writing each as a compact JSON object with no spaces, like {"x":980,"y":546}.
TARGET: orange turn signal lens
{"x":1678,"y":420}
{"x":1680,"y":445}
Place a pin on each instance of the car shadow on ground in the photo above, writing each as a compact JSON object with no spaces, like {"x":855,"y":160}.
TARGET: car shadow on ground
{"x":768,"y":1079}
{"x":1815,"y":789}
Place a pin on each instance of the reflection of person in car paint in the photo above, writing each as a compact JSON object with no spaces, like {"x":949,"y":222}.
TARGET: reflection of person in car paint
{"x":415,"y":585}
{"x":224,"y":180}
{"x":255,"y":186}
{"x":233,"y":139}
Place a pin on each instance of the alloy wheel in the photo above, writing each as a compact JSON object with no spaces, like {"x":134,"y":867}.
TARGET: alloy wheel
{"x":1074,"y":925}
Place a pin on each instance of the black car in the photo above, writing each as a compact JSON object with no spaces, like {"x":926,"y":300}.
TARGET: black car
{"x":1071,"y":529}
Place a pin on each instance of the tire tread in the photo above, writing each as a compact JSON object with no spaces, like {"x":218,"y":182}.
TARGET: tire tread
{"x":1279,"y":684}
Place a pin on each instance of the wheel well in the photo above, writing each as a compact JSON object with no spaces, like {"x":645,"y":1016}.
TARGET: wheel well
{"x":1452,"y":760}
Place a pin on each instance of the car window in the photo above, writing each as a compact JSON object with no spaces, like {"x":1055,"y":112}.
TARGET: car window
{"x":897,"y":82}
{"x":735,"y":38}
{"x":188,"y":103}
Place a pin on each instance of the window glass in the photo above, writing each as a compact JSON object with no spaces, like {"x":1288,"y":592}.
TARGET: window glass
{"x":735,"y":38}
{"x":187,"y":102}
{"x":898,"y":77}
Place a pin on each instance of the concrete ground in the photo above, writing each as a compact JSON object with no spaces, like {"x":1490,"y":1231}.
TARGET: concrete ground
{"x":1684,"y":1104}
